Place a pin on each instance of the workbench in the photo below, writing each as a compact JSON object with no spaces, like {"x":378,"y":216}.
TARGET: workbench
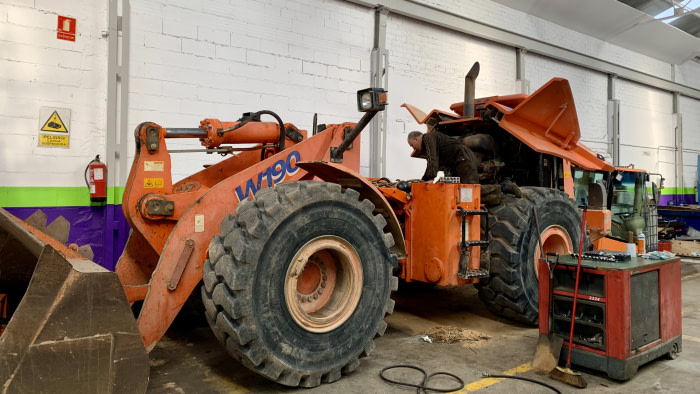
{"x":628,"y":313}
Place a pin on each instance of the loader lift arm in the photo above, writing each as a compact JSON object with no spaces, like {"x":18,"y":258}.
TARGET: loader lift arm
{"x":173,"y":223}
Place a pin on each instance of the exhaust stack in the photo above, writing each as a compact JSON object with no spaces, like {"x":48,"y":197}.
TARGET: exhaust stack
{"x":469,"y":91}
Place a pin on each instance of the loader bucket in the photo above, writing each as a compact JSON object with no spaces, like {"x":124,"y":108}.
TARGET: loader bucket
{"x":70,"y":327}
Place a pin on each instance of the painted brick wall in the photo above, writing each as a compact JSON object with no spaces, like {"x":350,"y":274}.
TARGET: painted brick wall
{"x":690,"y":108}
{"x":193,"y":60}
{"x":427,"y":66}
{"x":646,"y":128}
{"x":642,"y":108}
{"x":688,"y":73}
{"x":37,"y":69}
{"x":530,"y":26}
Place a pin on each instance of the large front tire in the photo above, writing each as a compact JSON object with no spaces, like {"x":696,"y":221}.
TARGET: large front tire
{"x":298,"y":283}
{"x":512,"y":289}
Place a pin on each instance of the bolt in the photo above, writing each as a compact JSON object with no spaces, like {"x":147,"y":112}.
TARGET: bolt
{"x":320,"y":291}
{"x":153,"y":146}
{"x":324,"y":278}
{"x":323,"y":284}
{"x":323,"y":270}
{"x":315,"y":296}
{"x":170,"y":208}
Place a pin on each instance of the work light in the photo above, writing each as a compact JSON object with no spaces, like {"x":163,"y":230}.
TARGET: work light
{"x":372,"y":99}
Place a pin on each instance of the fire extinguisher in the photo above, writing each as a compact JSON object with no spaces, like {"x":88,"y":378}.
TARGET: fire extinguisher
{"x":96,"y":180}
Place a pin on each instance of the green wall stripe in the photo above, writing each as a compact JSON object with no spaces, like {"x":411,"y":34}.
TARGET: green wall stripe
{"x":17,"y":197}
{"x":678,"y":190}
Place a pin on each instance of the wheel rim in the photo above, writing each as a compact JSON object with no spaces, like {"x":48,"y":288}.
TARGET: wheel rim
{"x":554,"y":239}
{"x":323,"y":284}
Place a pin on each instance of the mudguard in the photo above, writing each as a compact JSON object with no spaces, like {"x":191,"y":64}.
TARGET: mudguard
{"x":345,"y":177}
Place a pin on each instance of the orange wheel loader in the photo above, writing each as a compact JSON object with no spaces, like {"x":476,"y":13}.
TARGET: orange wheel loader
{"x":295,"y":254}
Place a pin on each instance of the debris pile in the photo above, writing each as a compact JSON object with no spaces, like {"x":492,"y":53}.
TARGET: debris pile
{"x":452,"y":334}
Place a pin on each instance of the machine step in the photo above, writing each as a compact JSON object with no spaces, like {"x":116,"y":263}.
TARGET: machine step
{"x":474,"y":274}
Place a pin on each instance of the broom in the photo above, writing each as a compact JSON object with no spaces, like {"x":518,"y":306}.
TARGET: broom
{"x":567,"y":375}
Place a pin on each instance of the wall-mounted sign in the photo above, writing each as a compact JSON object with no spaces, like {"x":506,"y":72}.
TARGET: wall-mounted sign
{"x":54,"y":127}
{"x":54,"y":123}
{"x":66,"y":28}
{"x":53,"y":140}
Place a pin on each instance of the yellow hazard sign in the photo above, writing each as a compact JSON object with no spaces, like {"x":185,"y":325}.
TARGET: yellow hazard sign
{"x":54,"y":123}
{"x":153,"y":183}
{"x":53,"y":140}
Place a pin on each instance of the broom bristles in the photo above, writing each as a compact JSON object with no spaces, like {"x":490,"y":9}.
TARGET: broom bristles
{"x":568,"y":376}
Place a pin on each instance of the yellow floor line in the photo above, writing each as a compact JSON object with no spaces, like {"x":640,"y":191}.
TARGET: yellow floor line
{"x":691,"y":338}
{"x":486,"y":382}
{"x":691,"y":276}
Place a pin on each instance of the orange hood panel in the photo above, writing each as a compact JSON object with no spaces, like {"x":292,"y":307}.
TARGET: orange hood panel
{"x":547,"y":122}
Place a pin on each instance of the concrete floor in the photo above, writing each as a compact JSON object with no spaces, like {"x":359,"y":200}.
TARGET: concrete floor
{"x":190,"y":360}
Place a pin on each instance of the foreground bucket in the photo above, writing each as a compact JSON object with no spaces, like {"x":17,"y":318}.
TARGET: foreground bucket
{"x":71,"y":329}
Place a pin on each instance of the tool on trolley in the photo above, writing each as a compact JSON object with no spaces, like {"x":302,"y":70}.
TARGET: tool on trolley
{"x":567,"y":375}
{"x":548,"y":344}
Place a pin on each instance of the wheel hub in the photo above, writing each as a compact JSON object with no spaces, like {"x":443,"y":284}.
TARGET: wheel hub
{"x":554,"y":239}
{"x":323,"y":284}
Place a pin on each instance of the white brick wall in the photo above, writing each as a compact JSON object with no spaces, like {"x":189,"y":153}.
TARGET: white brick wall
{"x":427,"y":67}
{"x":192,"y":60}
{"x":642,"y":108}
{"x":210,"y":58}
{"x":37,"y":69}
{"x":646,"y":128}
{"x":690,"y":108}
{"x":688,"y":74}
{"x":498,"y":15}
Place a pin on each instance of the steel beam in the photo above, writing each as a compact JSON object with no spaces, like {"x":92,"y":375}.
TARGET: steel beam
{"x":460,"y":23}
{"x":380,"y":79}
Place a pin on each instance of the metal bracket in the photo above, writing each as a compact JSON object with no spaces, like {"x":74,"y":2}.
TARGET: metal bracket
{"x":181,"y":263}
{"x":294,"y":134}
{"x":160,"y":207}
{"x":152,"y":139}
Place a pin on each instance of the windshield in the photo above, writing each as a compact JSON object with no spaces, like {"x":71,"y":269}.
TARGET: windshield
{"x":626,"y":197}
{"x":628,"y":213}
{"x":582,"y":178}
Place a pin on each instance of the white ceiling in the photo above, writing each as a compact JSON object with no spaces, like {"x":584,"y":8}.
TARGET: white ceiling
{"x":616,"y":23}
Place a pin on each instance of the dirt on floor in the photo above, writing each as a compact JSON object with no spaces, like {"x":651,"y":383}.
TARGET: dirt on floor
{"x":452,"y":334}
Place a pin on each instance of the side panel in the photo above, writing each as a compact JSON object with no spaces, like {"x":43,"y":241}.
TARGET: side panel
{"x":434,"y":232}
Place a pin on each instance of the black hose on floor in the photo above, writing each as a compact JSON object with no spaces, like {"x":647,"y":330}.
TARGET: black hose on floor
{"x":487,"y":375}
{"x":422,"y":387}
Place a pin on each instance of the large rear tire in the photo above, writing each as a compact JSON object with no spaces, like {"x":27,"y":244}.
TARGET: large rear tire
{"x":512,"y":289}
{"x":297,"y":285}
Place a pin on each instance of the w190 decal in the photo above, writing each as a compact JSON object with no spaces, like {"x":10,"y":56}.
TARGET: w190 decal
{"x":273,"y":174}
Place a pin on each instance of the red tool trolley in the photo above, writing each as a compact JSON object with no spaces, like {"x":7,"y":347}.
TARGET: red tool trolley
{"x":628,"y":313}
